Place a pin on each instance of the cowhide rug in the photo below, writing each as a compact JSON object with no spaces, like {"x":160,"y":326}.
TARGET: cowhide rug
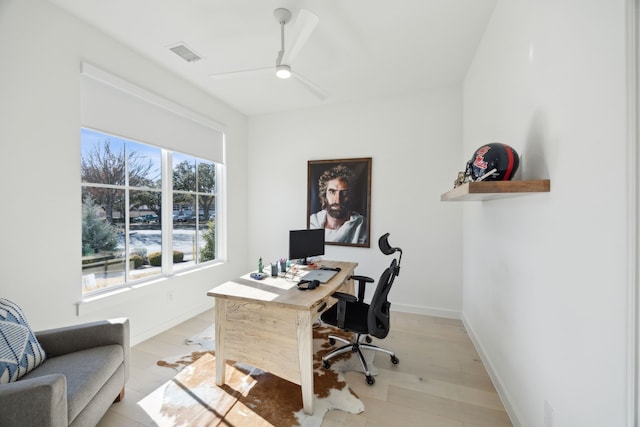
{"x":251,"y":397}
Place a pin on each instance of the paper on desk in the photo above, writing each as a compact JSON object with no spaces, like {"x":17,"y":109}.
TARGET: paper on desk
{"x":276,"y":282}
{"x":241,"y":290}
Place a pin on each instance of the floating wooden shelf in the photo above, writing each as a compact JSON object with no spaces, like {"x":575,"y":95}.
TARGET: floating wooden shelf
{"x":490,"y":190}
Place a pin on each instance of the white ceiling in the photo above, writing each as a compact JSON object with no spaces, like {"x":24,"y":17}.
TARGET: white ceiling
{"x":359,"y":49}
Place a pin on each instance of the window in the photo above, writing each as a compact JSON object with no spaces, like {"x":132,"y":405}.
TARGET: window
{"x":122,"y":219}
{"x":194,"y":183}
{"x":148,"y":207}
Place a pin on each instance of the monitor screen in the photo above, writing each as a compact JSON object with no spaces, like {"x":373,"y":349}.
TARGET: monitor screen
{"x":304,"y":244}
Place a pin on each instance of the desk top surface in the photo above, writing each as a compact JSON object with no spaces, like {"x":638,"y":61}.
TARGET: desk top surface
{"x":283,"y":291}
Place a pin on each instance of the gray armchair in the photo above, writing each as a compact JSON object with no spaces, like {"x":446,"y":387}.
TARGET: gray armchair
{"x":85,"y":371}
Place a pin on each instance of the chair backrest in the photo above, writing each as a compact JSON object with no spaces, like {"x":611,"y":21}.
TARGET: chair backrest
{"x":378,"y":316}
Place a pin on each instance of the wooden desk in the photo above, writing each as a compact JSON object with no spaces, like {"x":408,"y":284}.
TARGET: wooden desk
{"x":267,"y":323}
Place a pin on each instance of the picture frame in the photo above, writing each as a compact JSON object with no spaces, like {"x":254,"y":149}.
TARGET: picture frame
{"x":346,"y":222}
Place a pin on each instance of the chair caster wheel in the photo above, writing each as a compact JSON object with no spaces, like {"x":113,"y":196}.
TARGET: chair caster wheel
{"x":326,"y":364}
{"x":332,"y":341}
{"x":370,"y":380}
{"x":368,"y":339}
{"x":394,"y":360}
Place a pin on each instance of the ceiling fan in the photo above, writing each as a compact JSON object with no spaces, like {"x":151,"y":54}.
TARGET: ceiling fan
{"x":303,"y":26}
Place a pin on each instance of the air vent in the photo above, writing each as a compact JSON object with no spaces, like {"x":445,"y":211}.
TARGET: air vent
{"x":185,"y":53}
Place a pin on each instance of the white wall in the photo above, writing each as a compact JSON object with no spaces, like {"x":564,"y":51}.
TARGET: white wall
{"x":414,"y":142}
{"x":40,"y":172}
{"x":545,"y":284}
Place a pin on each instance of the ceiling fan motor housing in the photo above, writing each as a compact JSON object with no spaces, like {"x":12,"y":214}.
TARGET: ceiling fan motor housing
{"x":282,"y":15}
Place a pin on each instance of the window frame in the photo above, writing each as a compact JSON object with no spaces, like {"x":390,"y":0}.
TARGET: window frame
{"x":167,"y":226}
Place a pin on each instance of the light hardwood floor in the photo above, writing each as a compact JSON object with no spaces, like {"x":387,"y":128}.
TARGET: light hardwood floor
{"x":440,"y":380}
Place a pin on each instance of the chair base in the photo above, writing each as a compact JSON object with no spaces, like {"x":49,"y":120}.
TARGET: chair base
{"x":356,"y":346}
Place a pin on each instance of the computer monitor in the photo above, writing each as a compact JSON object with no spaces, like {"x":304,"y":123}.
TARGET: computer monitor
{"x":304,"y":244}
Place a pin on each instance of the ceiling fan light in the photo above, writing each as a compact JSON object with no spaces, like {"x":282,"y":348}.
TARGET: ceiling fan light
{"x":283,"y":71}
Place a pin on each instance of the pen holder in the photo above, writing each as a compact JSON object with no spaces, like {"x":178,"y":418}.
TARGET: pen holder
{"x":274,"y":269}
{"x":283,"y":266}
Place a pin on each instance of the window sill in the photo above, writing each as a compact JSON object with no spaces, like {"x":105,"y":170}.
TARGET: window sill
{"x":106,"y":299}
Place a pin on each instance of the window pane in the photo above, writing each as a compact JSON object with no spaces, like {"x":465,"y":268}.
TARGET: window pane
{"x":184,"y":172}
{"x":103,"y":261}
{"x":145,"y":234}
{"x":145,"y":206}
{"x":143,"y":164}
{"x":206,"y":180}
{"x":207,"y":208}
{"x":184,"y":230}
{"x":103,"y":159}
{"x":206,"y":177}
{"x":207,"y":242}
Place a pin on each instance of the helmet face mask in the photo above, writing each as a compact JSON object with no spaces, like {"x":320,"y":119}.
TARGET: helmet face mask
{"x":491,"y":162}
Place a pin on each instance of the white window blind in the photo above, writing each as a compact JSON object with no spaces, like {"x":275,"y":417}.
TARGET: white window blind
{"x":113,"y":105}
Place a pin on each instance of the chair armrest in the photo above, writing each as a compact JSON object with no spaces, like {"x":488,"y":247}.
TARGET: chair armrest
{"x":39,"y":401}
{"x":344,"y":297}
{"x":341,"y":311}
{"x":69,"y":339}
{"x":362,"y":281}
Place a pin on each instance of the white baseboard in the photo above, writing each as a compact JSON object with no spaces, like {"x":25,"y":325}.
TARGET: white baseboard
{"x":427,"y":311}
{"x":495,"y":378}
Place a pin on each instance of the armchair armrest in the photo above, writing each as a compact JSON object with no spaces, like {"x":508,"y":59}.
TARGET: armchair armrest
{"x":69,"y":339}
{"x":362,"y":281}
{"x":39,"y":401}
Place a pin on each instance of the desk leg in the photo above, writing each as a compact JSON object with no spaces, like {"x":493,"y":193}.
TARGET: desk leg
{"x":305,"y":359}
{"x":219,"y":337}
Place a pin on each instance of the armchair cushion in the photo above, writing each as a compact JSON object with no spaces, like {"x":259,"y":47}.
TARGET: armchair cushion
{"x":20,"y":351}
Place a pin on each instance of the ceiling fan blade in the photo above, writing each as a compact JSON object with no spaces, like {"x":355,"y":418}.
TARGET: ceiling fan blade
{"x":320,"y":93}
{"x":302,"y":28}
{"x":232,"y":74}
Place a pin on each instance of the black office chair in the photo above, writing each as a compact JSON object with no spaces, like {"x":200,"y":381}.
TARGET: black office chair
{"x":354,"y":315}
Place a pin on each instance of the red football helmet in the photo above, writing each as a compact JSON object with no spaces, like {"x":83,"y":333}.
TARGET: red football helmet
{"x":493,"y":162}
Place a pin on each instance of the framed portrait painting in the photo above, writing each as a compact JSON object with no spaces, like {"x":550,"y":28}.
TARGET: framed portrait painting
{"x":339,"y":200}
